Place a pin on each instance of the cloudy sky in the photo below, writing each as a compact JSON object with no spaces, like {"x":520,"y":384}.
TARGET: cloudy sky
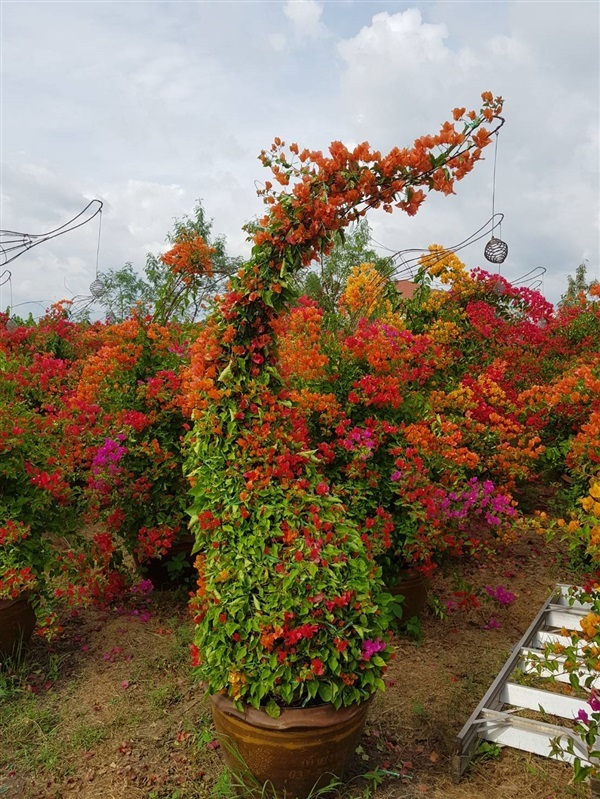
{"x":152,"y":105}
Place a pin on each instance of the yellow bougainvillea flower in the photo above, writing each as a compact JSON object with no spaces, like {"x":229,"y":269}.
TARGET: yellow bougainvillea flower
{"x":587,"y":503}
{"x":595,"y":535}
{"x":595,"y":490}
{"x":236,"y":680}
{"x":589,"y":625}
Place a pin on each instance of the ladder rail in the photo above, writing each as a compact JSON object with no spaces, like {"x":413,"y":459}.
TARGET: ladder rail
{"x":469,"y":736}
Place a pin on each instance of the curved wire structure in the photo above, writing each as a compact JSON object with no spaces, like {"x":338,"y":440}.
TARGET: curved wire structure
{"x":407,"y":266}
{"x":14,"y":244}
{"x":533,"y":276}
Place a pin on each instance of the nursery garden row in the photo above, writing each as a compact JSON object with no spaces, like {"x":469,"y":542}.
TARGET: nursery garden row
{"x":310,"y":459}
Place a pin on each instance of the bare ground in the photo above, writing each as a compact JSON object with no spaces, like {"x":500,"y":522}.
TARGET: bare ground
{"x":110,"y":712}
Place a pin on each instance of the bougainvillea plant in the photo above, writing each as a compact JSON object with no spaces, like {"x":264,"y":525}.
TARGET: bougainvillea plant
{"x":424,"y":468}
{"x":132,"y":458}
{"x":291,"y":607}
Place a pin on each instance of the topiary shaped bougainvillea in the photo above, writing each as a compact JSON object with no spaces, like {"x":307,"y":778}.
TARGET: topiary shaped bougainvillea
{"x":290,"y":607}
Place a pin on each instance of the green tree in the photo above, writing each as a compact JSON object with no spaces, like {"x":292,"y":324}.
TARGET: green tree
{"x":576,"y":285}
{"x":171,"y":304}
{"x":325,"y":283}
{"x":124,"y":288}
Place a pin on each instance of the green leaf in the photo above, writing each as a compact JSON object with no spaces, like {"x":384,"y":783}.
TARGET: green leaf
{"x":325,"y":692}
{"x":272,"y":709}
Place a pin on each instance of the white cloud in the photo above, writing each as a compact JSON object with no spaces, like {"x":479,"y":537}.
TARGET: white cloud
{"x":395,"y":42}
{"x":305,"y":16}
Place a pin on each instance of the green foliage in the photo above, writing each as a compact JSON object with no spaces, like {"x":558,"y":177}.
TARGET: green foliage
{"x":326,"y":282}
{"x":189,"y":305}
{"x":295,"y":600}
{"x":123,"y":290}
{"x":577,"y":285}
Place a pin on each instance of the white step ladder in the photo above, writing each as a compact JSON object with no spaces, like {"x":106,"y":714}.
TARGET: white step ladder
{"x":494,"y":718}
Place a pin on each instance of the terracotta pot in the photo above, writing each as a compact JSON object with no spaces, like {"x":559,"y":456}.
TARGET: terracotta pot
{"x":157,"y":571}
{"x":17,"y":622}
{"x":410,"y":584}
{"x":301,"y":750}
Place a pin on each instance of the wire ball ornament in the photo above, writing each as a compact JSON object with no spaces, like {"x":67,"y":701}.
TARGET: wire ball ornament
{"x":499,"y":288}
{"x":97,"y":288}
{"x":496,"y":251}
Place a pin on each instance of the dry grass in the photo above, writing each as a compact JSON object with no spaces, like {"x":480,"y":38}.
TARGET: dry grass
{"x":111,"y":712}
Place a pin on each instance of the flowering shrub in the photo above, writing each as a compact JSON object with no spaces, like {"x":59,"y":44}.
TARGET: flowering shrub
{"x":580,"y":532}
{"x":424,"y":463}
{"x":39,"y":499}
{"x":17,"y":575}
{"x":132,"y":457}
{"x":264,"y":511}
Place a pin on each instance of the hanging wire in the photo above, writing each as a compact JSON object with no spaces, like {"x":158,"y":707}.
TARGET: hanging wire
{"x":407,"y":267}
{"x":495,"y":250}
{"x":97,"y":286}
{"x":6,"y":277}
{"x":14,"y":244}
{"x":494,"y":179}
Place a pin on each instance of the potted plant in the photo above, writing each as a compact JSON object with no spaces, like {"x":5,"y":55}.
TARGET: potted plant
{"x":37,"y":505}
{"x":18,"y":582}
{"x":291,"y":610}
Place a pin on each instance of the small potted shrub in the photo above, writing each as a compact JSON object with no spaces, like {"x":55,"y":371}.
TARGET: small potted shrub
{"x":18,"y":583}
{"x":37,"y":505}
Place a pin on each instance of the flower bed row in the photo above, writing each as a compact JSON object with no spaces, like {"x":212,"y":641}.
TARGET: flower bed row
{"x":314,"y":458}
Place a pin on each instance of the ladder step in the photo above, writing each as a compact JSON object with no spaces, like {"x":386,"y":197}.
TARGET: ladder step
{"x":562,"y":618}
{"x":528,"y":665}
{"x":523,"y":696}
{"x":529,"y":735}
{"x":563,"y":599}
{"x":543,"y":637}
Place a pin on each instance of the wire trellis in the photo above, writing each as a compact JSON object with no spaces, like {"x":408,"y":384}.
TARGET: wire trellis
{"x":409,"y":266}
{"x":14,"y":244}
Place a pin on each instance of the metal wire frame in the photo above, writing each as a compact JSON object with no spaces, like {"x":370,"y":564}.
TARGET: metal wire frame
{"x":13,"y":244}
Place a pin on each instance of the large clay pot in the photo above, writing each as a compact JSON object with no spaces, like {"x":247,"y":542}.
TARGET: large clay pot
{"x":156,"y":569}
{"x":410,"y":584}
{"x":17,"y":622}
{"x":301,"y":750}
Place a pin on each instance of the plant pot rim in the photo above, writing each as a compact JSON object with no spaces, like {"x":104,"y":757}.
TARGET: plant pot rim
{"x":291,"y":718}
{"x":6,"y":602}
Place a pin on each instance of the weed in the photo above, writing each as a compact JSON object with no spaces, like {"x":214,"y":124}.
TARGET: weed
{"x":164,"y":696}
{"x":87,"y":736}
{"x":412,"y":628}
{"x":418,"y":709}
{"x":486,"y":750}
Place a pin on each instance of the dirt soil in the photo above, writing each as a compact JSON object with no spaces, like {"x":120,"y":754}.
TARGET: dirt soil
{"x":110,"y":711}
